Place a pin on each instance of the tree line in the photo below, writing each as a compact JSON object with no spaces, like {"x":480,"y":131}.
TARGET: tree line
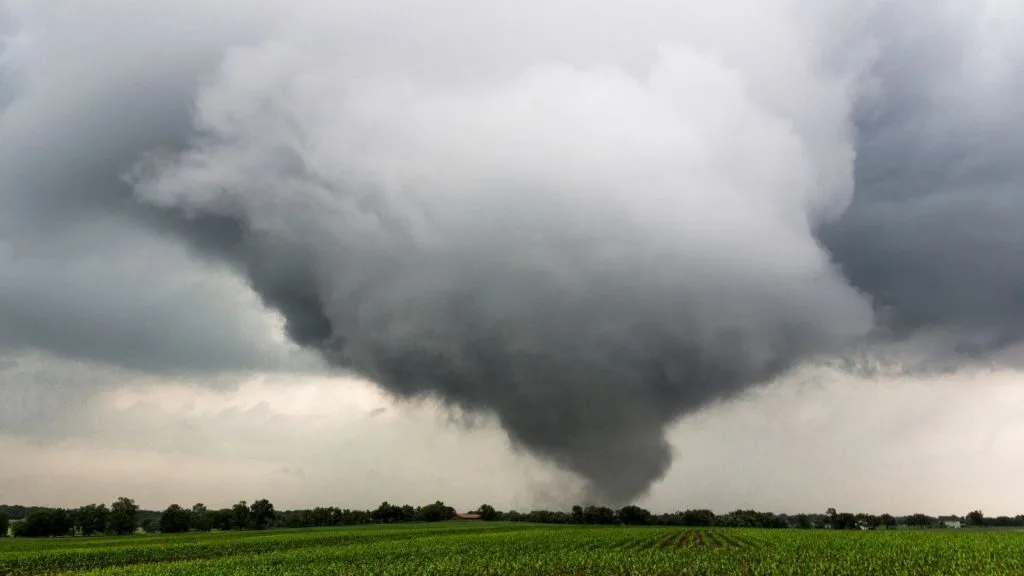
{"x":124,"y":516}
{"x":121,"y":517}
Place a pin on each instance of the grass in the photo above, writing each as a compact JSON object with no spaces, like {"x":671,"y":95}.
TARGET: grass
{"x":523,"y":549}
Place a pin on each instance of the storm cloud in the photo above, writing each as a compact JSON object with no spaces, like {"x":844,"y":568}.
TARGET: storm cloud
{"x":586,"y":218}
{"x":931,"y":234}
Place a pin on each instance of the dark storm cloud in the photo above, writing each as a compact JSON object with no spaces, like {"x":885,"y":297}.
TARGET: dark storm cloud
{"x":82,"y":273}
{"x":933,"y":233}
{"x":589,"y":219}
{"x":568,"y":287}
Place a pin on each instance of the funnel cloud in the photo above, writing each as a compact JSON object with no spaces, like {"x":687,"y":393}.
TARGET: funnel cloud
{"x":588,"y":219}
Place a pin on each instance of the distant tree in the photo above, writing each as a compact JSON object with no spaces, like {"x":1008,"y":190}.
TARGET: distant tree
{"x":321,"y":516}
{"x":802,"y":521}
{"x":5,"y":524}
{"x":751,"y":519}
{"x":436,"y":512}
{"x":830,"y":517}
{"x":201,"y":520}
{"x":633,"y":515}
{"x":91,"y":519}
{"x":869,"y":520}
{"x":222,"y":519}
{"x":919,"y":520}
{"x":122,"y":517}
{"x":240,"y":515}
{"x":387,"y":512}
{"x":44,"y":522}
{"x":598,"y":515}
{"x":700,"y":517}
{"x":293,"y":519}
{"x":406,"y":513}
{"x":14,"y":512}
{"x":577,"y":514}
{"x":261,"y":514}
{"x":551,"y":517}
{"x":318,"y":516}
{"x":844,"y":521}
{"x":976,"y":518}
{"x":337,"y":516}
{"x":887,"y":520}
{"x":487,"y":512}
{"x":334,"y":516}
{"x":353,"y":517}
{"x":150,"y":525}
{"x":174,"y":520}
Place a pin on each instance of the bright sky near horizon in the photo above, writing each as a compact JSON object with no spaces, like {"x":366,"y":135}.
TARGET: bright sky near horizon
{"x":941,"y":446}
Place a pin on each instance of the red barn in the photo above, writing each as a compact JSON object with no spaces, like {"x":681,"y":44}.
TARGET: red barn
{"x":466,"y":517}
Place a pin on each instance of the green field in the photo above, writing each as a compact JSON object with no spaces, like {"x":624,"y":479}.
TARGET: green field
{"x":501,"y":548}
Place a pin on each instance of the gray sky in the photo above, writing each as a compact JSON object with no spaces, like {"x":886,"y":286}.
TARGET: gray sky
{"x":618,"y":233}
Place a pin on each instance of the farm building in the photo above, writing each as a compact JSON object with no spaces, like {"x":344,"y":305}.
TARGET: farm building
{"x":466,"y":517}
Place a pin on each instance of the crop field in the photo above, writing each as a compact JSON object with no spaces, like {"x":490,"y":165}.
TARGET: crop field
{"x":499,"y":548}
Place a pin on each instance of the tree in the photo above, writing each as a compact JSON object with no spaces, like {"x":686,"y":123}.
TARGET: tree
{"x":634,"y":515}
{"x":830,"y":517}
{"x":976,"y":518}
{"x":598,"y":515}
{"x":45,"y":522}
{"x":202,"y":520}
{"x":803,"y":521}
{"x":240,"y":515}
{"x":702,"y":517}
{"x":919,"y":520}
{"x":487,"y":512}
{"x":887,"y":520}
{"x":321,"y":516}
{"x":844,"y":521}
{"x":406,"y":513}
{"x":869,"y":520}
{"x":261,"y":514}
{"x":91,"y":519}
{"x":222,"y":519}
{"x":174,"y":520}
{"x":5,"y":524}
{"x":435,"y":512}
{"x":577,"y":514}
{"x":387,"y":512}
{"x":122,"y":518}
{"x":751,"y":519}
{"x":352,"y":517}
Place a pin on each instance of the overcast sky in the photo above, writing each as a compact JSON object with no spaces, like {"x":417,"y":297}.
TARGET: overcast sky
{"x":574,"y":249}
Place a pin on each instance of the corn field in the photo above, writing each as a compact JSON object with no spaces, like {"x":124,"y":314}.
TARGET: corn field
{"x":500,"y":549}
